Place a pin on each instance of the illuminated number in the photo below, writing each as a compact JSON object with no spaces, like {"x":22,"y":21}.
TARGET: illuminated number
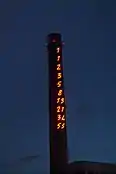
{"x":59,"y":75}
{"x":58,"y":125}
{"x":58,"y":58}
{"x":58,"y":50}
{"x":63,"y":118}
{"x":60,"y":92}
{"x":62,"y":100}
{"x":59,"y":117}
{"x":62,"y":109}
{"x":58,"y":108}
{"x":62,"y":127}
{"x":59,"y":84}
{"x":58,"y":67}
{"x":58,"y":100}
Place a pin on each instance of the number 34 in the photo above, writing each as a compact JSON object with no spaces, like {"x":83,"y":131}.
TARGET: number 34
{"x":60,"y":125}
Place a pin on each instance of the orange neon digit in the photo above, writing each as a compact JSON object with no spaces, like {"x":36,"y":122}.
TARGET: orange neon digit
{"x":62,"y":100}
{"x":58,"y":108}
{"x":59,"y":75}
{"x":63,"y":118}
{"x":62,"y":109}
{"x":63,"y":125}
{"x":59,"y":117}
{"x":58,"y":67}
{"x":60,"y":92}
{"x":58,"y":125}
{"x":58,"y":50}
{"x":58,"y":58}
{"x":59,"y":84}
{"x":58,"y":100}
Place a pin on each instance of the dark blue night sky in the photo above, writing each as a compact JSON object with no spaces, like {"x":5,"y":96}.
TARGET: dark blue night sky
{"x":88,"y":28}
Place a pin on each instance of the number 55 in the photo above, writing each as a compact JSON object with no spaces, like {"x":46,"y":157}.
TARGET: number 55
{"x":60,"y":125}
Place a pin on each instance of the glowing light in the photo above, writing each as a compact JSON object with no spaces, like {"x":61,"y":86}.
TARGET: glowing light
{"x":58,"y":67}
{"x":62,"y":108}
{"x":58,"y":100}
{"x":54,"y":40}
{"x":58,"y":108}
{"x":58,"y":58}
{"x":59,"y":117}
{"x":60,"y":92}
{"x":59,"y":75}
{"x":63,"y":118}
{"x":60,"y":125}
{"x":59,"y":84}
{"x":62,"y":100}
{"x":58,"y":49}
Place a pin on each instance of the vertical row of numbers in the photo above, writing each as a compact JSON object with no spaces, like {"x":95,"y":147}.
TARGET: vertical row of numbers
{"x":60,"y":94}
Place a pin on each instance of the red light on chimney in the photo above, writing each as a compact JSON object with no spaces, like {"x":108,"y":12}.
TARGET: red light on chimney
{"x":63,"y":43}
{"x":54,"y":41}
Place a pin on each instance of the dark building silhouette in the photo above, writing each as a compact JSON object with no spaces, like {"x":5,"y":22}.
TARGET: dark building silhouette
{"x":57,"y":119}
{"x":86,"y":167}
